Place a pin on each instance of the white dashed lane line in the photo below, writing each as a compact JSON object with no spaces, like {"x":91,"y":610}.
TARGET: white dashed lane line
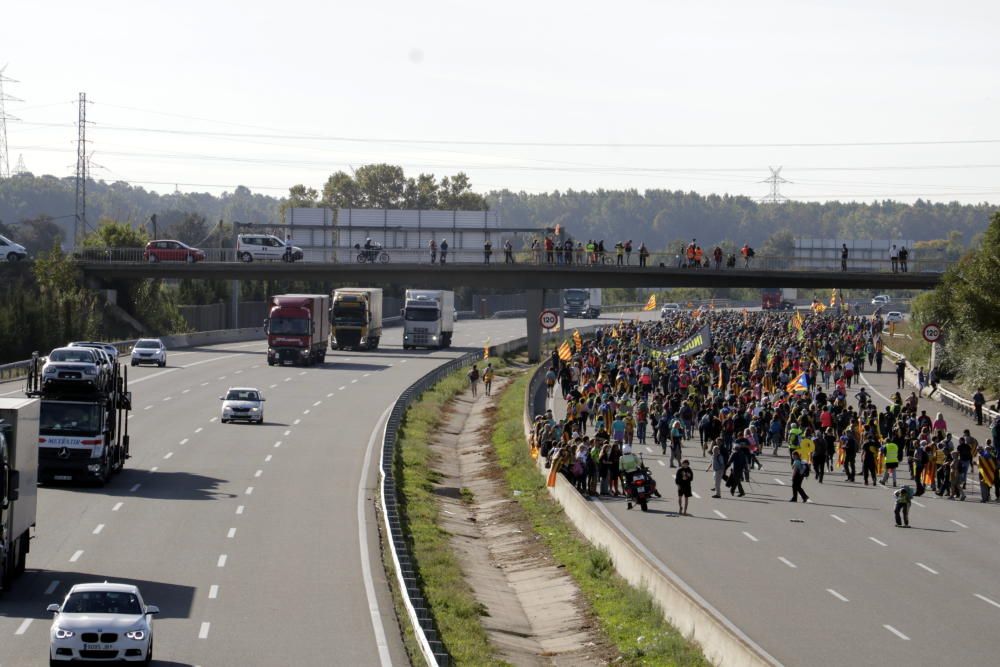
{"x":296,"y":422}
{"x":987,"y":600}
{"x":272,"y":386}
{"x":918,"y":503}
{"x":184,"y":441}
{"x":958,"y":523}
{"x":239,"y":509}
{"x":720,"y":514}
{"x":878,"y":541}
{"x":287,"y":380}
{"x":76,"y":556}
{"x":287,"y":433}
{"x":213,"y":419}
{"x":135,"y":487}
{"x":662,"y":463}
{"x":154,"y":469}
{"x":100,"y":527}
{"x":231,"y":534}
{"x":117,"y":507}
{"x":896,"y":632}
{"x":838,"y":518}
{"x":186,"y":391}
{"x":277,"y":444}
{"x":168,"y":455}
{"x":213,"y":592}
{"x":929,"y":569}
{"x":354,"y":380}
{"x":258,"y":473}
{"x":779,"y":481}
{"x":148,"y":407}
{"x":222,"y":560}
{"x":249,"y":490}
{"x":750,"y":537}
{"x":366,"y":375}
{"x":341,"y":388}
{"x":837,"y":595}
{"x":317,"y":403}
{"x":788,"y":562}
{"x":203,"y":631}
{"x":21,"y":629}
{"x":330,"y":395}
{"x":267,"y":459}
{"x":52,"y":587}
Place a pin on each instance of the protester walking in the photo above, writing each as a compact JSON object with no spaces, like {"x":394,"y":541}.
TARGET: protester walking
{"x":683,"y":479}
{"x":799,"y":472}
{"x":902,"y":510}
{"x":718,"y":469}
{"x":473,"y":376}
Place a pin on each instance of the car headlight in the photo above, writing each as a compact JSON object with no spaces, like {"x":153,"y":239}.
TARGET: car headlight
{"x":49,"y":370}
{"x":137,"y":635}
{"x":90,"y":370}
{"x":254,"y":409}
{"x":64,"y":634}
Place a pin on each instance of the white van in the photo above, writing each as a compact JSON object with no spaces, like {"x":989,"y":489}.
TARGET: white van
{"x":265,"y":247}
{"x":11,"y":251}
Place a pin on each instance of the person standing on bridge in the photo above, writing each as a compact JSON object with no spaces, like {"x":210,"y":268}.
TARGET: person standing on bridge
{"x":643,"y":253}
{"x":747,"y":253}
{"x":434,"y":251}
{"x":620,"y":252}
{"x":904,"y":254}
{"x":978,"y":401}
{"x":444,"y":251}
{"x":843,"y":257}
{"x":717,"y":256}
{"x":894,"y":258}
{"x":628,"y":252}
{"x":487,"y":251}
{"x":508,"y":252}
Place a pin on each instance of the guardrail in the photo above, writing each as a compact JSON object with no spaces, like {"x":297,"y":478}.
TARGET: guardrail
{"x":475,"y":256}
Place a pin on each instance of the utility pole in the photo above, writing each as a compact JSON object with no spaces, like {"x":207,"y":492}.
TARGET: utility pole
{"x":80,"y":223}
{"x":4,"y":156}
{"x":20,"y":168}
{"x":775,"y":196}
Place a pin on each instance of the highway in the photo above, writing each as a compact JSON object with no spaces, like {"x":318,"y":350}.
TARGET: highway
{"x":247,"y":537}
{"x":832,"y":582}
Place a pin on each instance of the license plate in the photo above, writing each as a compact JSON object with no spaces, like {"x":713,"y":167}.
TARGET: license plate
{"x":63,"y":478}
{"x":98,"y":647}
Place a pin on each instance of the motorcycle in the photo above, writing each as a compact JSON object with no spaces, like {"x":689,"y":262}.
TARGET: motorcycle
{"x":641,"y":488}
{"x":371,"y":255}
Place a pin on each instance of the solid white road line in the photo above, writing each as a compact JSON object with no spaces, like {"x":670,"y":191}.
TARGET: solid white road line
{"x":788,"y":562}
{"x":987,"y":600}
{"x":222,"y":560}
{"x":896,"y":632}
{"x":838,"y":518}
{"x":203,"y":631}
{"x":52,"y":587}
{"x":958,"y":523}
{"x":21,"y":629}
{"x":240,"y":508}
{"x":76,"y":556}
{"x":213,"y":591}
{"x":231,"y":534}
{"x":837,"y":595}
{"x":929,"y":569}
{"x":249,"y":490}
{"x":752,"y":538}
{"x":720,"y":514}
{"x":135,"y":487}
{"x":877,"y":541}
{"x":779,"y":481}
{"x":100,"y":527}
{"x":117,"y":507}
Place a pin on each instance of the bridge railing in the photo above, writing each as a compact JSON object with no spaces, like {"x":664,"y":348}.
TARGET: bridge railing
{"x":607,"y":261}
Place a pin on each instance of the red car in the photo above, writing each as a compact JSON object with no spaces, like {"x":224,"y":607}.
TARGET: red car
{"x":171,"y":251}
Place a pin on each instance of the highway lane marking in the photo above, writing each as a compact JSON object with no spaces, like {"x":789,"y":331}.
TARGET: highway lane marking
{"x":330,"y":395}
{"x":720,"y":514}
{"x":267,"y":459}
{"x":752,"y":538}
{"x":204,"y":384}
{"x":76,"y":556}
{"x":168,"y":455}
{"x":958,"y":523}
{"x":213,"y":419}
{"x":277,"y":444}
{"x":287,"y":379}
{"x":184,"y":441}
{"x":148,"y":407}
{"x":918,"y":503}
{"x":896,"y":632}
{"x":838,"y":518}
{"x":366,"y":375}
{"x":237,"y":372}
{"x":167,"y":398}
{"x":662,"y":463}
{"x":52,"y":587}
{"x":231,"y":534}
{"x":649,"y":450}
{"x":303,"y":372}
{"x":341,"y":388}
{"x":171,"y":370}
{"x":255,"y":366}
{"x":404,"y":361}
{"x":272,"y":386}
{"x":222,"y":560}
{"x":695,"y":494}
{"x":186,"y":391}
{"x":135,"y":487}
{"x":837,"y":595}
{"x":354,"y":380}
{"x":213,"y":591}
{"x":288,"y":433}
{"x":203,"y":631}
{"x":987,"y":600}
{"x":100,"y":527}
{"x":779,"y":481}
{"x":306,"y":411}
{"x":249,"y":490}
{"x":199,"y":429}
{"x":221,"y":377}
{"x":788,"y":562}
{"x":239,"y":509}
{"x":258,"y":473}
{"x":117,"y":507}
{"x":21,"y":629}
{"x":877,"y":541}
{"x":929,"y":569}
{"x":154,"y":469}
{"x":296,"y":422}
{"x":318,"y":403}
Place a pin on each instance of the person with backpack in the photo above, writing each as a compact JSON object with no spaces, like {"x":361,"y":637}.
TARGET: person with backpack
{"x":473,"y":376}
{"x":800,"y":470}
{"x":748,"y":254}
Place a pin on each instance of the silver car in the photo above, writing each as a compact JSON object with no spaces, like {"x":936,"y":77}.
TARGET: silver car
{"x":75,"y":365}
{"x":102,"y":622}
{"x":242,"y":404}
{"x":149,"y":351}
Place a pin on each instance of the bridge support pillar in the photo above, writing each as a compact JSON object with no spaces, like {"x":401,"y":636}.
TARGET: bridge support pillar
{"x":234,"y":304}
{"x":535,"y":301}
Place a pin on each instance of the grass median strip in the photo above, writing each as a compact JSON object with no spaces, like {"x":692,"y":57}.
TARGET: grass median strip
{"x":631,"y":619}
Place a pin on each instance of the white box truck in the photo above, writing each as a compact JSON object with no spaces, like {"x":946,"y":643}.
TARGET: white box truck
{"x":356,"y":318}
{"x":582,"y":302}
{"x":18,"y":484}
{"x":428,"y":318}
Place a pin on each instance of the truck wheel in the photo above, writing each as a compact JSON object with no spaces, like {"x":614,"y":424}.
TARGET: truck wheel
{"x":22,"y":555}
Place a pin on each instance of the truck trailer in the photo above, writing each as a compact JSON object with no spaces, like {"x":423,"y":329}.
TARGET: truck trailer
{"x":582,"y":302}
{"x":428,"y":318}
{"x":18,"y":484}
{"x":297,"y":327}
{"x":82,"y":428}
{"x":356,"y":318}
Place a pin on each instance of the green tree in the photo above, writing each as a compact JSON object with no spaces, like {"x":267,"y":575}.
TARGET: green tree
{"x":112,"y":234}
{"x":342,"y":191}
{"x":192,"y":229}
{"x":381,"y":185}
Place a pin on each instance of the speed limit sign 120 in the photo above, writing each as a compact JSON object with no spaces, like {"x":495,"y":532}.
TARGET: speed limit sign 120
{"x":548,"y":319}
{"x":932,"y":332}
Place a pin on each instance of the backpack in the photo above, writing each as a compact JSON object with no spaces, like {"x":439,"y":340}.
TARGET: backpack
{"x":474,"y":374}
{"x":750,"y":252}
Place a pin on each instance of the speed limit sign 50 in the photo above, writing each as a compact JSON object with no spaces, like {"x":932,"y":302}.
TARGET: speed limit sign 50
{"x":548,"y":319}
{"x":932,"y":332}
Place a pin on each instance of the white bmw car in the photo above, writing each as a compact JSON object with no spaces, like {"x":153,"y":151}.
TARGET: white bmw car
{"x":102,"y":622}
{"x":244,"y":404}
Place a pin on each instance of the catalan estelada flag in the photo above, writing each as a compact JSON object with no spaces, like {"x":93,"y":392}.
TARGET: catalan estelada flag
{"x":801,"y":383}
{"x":578,"y":339}
{"x":486,"y":349}
{"x":565,"y":352}
{"x":880,"y":463}
{"x":987,"y":469}
{"x":930,"y":471}
{"x":651,"y":304}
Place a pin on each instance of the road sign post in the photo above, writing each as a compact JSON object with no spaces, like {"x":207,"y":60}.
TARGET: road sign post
{"x":932,"y":334}
{"x":548,"y":319}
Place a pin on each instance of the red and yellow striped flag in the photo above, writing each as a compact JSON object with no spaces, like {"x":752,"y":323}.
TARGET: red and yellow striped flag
{"x":578,"y":339}
{"x":651,"y":303}
{"x":987,"y":470}
{"x":565,"y":352}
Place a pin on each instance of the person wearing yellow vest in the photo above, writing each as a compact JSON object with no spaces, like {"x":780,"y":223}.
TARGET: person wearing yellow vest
{"x":891,"y":451}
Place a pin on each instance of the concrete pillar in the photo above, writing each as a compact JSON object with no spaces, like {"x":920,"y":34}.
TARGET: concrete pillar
{"x":234,"y":304}
{"x":534,"y":302}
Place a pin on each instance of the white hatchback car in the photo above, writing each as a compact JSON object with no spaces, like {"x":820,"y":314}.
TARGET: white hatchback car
{"x":894,"y":316}
{"x":669,"y":308}
{"x":881,"y":300}
{"x":243,"y":404}
{"x":102,"y":622}
{"x":149,"y":351}
{"x":265,"y":247}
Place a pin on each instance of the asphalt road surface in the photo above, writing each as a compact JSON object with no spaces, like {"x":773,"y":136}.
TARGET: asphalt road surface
{"x":247,"y":537}
{"x":833,"y":582}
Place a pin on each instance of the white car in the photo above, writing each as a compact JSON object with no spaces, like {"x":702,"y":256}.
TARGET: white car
{"x":102,"y":622}
{"x":881,"y":300}
{"x":76,"y":366}
{"x":894,"y":316}
{"x":265,"y":247}
{"x":11,"y":251}
{"x":669,"y":308}
{"x":149,"y":351}
{"x":244,"y":404}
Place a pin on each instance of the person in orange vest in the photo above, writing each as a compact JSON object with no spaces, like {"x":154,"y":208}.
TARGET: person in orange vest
{"x":698,"y":253}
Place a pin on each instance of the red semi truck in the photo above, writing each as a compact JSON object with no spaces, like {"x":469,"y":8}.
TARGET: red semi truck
{"x":297,"y":326}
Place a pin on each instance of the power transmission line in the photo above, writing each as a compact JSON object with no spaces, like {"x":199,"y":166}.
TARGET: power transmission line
{"x":20,"y":168}
{"x":4,"y":156}
{"x":775,"y":196}
{"x":82,"y":169}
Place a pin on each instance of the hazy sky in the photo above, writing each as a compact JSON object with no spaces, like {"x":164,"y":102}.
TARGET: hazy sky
{"x":673,"y":94}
